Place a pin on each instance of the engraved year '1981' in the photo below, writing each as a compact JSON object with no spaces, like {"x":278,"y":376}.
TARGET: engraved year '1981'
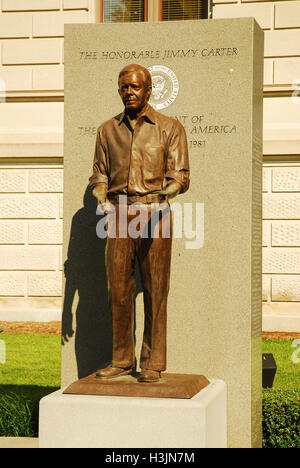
{"x":197,"y":143}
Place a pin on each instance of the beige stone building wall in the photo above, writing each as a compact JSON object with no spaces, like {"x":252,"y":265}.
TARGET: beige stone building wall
{"x":281,"y":210}
{"x":30,"y":235}
{"x":31,"y":153}
{"x":31,"y":33}
{"x":281,"y":23}
{"x":281,"y":241}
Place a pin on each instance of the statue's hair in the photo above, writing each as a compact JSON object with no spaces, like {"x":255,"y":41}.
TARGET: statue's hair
{"x":137,"y":68}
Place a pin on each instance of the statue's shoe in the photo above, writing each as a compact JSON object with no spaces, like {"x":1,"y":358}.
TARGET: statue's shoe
{"x":111,"y":372}
{"x":149,"y":376}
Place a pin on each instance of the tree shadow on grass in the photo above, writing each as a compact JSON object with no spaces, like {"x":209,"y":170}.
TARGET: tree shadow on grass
{"x":19,"y":409}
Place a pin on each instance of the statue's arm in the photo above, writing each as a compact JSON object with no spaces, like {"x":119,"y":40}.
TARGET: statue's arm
{"x":99,"y":179}
{"x":177,"y":169}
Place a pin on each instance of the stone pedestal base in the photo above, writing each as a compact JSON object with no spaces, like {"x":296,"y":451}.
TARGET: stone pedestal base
{"x":169,"y":386}
{"x":87,"y":421}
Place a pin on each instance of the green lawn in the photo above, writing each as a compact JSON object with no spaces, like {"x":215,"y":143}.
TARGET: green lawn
{"x":34,"y":360}
{"x":31,"y":360}
{"x":32,"y":370}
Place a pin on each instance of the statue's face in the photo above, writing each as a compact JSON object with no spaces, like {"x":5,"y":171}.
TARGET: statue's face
{"x":134,"y":91}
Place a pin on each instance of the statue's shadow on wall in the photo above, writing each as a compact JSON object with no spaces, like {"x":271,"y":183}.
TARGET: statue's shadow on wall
{"x":85,"y":275}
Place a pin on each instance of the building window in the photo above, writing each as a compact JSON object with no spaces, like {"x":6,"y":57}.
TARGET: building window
{"x":123,"y":11}
{"x":129,"y":11}
{"x":172,"y":10}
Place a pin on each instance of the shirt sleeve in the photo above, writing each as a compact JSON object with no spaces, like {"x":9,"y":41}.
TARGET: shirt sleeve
{"x":178,"y":168}
{"x":100,"y":168}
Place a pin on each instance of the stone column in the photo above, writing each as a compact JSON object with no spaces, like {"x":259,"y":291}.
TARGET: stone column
{"x":213,"y":85}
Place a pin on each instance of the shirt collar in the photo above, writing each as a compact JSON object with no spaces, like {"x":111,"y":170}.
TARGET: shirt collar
{"x":148,"y":114}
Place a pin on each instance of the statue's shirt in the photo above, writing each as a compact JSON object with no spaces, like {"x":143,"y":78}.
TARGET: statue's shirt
{"x":142,"y":160}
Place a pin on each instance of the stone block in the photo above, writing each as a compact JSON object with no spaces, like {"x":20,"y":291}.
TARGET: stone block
{"x":281,"y":127}
{"x":281,"y":261}
{"x":216,"y":293}
{"x":76,"y":4}
{"x":61,"y":206}
{"x":12,"y":284}
{"x":12,"y":181}
{"x":282,"y":43}
{"x":46,"y":181}
{"x":19,"y":442}
{"x":33,"y":206}
{"x":52,"y":23}
{"x":46,"y":284}
{"x":286,"y":179}
{"x":267,"y":179}
{"x":16,"y":78}
{"x":15,"y":25}
{"x":61,"y":265}
{"x":22,"y":51}
{"x":30,"y":309}
{"x":287,"y":14}
{"x":262,"y":13}
{"x":266,"y":233}
{"x":286,"y":234}
{"x":286,"y":288}
{"x":281,"y":206}
{"x":268,"y":72}
{"x":32,"y":122}
{"x":48,"y":78}
{"x":30,"y":5}
{"x":281,"y":316}
{"x":28,"y":258}
{"x":72,"y":421}
{"x":266,"y":288}
{"x":45,"y":232}
{"x":287,"y":71}
{"x":12,"y":232}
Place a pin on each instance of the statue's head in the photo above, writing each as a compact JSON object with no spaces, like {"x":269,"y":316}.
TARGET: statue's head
{"x":135,"y":87}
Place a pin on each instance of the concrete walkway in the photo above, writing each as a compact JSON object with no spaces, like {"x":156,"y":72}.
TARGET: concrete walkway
{"x":18,"y":442}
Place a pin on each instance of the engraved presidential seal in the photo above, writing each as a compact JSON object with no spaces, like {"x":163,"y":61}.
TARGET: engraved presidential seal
{"x":165,"y":86}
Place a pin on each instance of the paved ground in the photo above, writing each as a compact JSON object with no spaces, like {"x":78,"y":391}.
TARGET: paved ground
{"x":18,"y":442}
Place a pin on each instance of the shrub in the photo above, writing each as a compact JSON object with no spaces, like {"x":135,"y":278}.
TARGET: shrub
{"x":15,"y":417}
{"x":281,"y":419}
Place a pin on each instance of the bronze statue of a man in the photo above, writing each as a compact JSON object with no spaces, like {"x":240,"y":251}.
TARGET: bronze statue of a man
{"x":141,"y":155}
